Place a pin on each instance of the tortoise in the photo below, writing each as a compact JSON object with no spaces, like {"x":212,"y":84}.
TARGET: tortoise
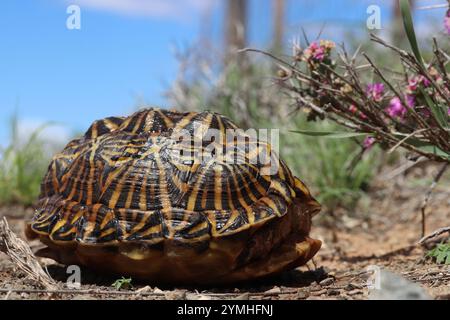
{"x":128,"y":198}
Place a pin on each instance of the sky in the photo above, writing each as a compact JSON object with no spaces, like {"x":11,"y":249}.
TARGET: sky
{"x":123,"y":55}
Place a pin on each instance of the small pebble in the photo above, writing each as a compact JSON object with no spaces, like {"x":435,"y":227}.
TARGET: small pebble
{"x":352,"y":286}
{"x":244,"y":296}
{"x":333,"y":292}
{"x":318,"y":293}
{"x":157,"y":290}
{"x":354,"y":292}
{"x":302,"y":294}
{"x":273,"y":290}
{"x":326,"y":282}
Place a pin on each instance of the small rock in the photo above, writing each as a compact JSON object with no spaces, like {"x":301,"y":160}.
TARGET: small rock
{"x":313,"y":298}
{"x":244,"y":296}
{"x":302,"y":294}
{"x":144,"y":289}
{"x":274,"y":290}
{"x":319,"y":292}
{"x":24,"y":295}
{"x":333,"y":292}
{"x":194,"y":296}
{"x":326,"y":282}
{"x":157,"y":290}
{"x":175,"y":295}
{"x":83,"y":297}
{"x":392,"y":286}
{"x":352,"y":286}
{"x":354,"y":292}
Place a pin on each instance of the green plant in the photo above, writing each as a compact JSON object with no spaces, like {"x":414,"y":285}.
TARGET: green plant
{"x":441,"y":253}
{"x":22,"y":166}
{"x":409,"y":109}
{"x":123,"y":284}
{"x":339,"y":170}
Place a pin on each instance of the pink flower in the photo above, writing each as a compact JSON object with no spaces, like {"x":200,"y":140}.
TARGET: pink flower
{"x":368,"y":142}
{"x":410,"y":100}
{"x":375,"y":91}
{"x":414,"y":83}
{"x":395,"y":108}
{"x":318,"y":51}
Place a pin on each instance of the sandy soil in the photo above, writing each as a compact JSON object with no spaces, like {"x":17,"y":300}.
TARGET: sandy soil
{"x":381,"y":232}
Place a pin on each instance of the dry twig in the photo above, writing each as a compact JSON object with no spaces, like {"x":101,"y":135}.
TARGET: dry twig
{"x":434,"y":234}
{"x":21,"y":255}
{"x":428,"y":195}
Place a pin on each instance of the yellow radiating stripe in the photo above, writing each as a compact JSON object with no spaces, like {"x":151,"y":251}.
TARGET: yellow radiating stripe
{"x":143,"y":194}
{"x":269,"y":202}
{"x":110,"y":125}
{"x":204,"y":196}
{"x":218,"y":187}
{"x":61,"y":223}
{"x":185,"y":121}
{"x":140,"y":225}
{"x":139,"y":122}
{"x":276,"y":185}
{"x":70,"y":173}
{"x":74,"y":186}
{"x":64,"y":234}
{"x":154,"y":229}
{"x":126,"y":123}
{"x":106,"y":219}
{"x":204,"y":127}
{"x":91,"y":174}
{"x":182,"y":167}
{"x":247,"y":187}
{"x":230,"y":201}
{"x":198,"y":227}
{"x":164,"y":193}
{"x":149,"y":117}
{"x":107,"y":232}
{"x":233,"y":216}
{"x":111,"y":178}
{"x":94,"y":132}
{"x":77,"y":216}
{"x":238,"y":189}
{"x":117,"y":192}
{"x":130,"y":194}
{"x":255,"y":182}
{"x":222,"y":136}
{"x":300,"y":185}
{"x":54,"y":179}
{"x":193,"y":197}
{"x":167,"y":121}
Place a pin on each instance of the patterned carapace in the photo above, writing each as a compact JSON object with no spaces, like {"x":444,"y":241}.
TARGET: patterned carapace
{"x":130,"y":179}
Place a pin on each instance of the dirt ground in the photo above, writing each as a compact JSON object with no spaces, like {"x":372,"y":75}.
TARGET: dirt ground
{"x":382,"y":231}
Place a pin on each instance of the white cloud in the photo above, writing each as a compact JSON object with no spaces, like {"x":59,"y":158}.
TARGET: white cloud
{"x":53,"y":136}
{"x":173,"y":9}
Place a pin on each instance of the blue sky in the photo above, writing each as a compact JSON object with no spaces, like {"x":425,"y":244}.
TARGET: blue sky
{"x":123,"y":56}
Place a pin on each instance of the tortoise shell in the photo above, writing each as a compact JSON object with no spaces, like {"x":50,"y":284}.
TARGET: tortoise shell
{"x":133,"y":197}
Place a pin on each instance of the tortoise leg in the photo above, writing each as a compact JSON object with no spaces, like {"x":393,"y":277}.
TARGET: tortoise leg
{"x":293,"y":252}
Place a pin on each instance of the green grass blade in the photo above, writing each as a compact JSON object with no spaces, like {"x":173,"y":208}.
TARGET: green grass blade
{"x":330,"y":134}
{"x":409,"y":29}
